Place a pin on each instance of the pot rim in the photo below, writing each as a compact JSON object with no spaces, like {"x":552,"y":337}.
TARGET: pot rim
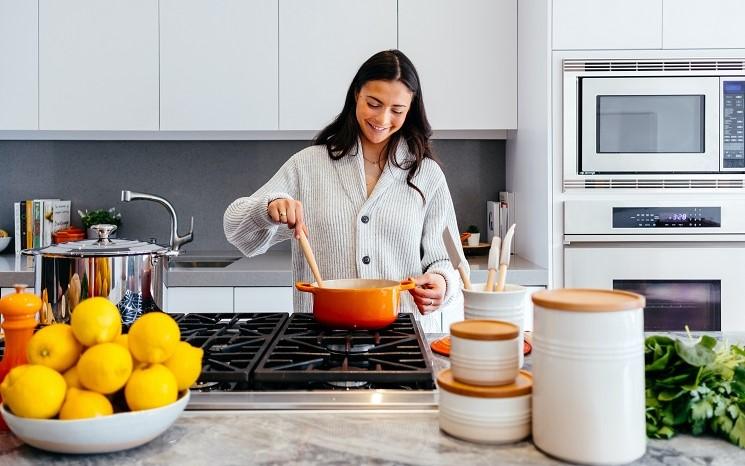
{"x":401,"y":285}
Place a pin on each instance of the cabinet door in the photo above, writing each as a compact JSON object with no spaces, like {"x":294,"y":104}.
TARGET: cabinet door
{"x":218,"y":65}
{"x":98,"y":65}
{"x":466,"y":55}
{"x":263,"y":299}
{"x":693,"y":24}
{"x":199,"y":299}
{"x":607,"y":24}
{"x":322,"y":44}
{"x":19,"y":65}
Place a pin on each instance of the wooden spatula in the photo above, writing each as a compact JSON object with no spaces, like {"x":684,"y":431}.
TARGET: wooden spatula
{"x":310,"y":258}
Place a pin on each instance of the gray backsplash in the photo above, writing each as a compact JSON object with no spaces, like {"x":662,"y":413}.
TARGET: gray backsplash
{"x":200,"y":178}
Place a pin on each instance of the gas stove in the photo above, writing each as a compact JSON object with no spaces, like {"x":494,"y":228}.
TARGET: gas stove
{"x":283,"y":361}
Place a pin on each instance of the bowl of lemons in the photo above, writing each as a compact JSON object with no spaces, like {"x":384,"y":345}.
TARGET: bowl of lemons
{"x":87,"y":388}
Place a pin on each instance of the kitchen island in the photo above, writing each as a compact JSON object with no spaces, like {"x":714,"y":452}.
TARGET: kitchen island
{"x":345,"y":437}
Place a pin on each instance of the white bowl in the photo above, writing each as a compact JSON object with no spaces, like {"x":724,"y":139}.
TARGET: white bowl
{"x":4,"y":242}
{"x":104,"y":434}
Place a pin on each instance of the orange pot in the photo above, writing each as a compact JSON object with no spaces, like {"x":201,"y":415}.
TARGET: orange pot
{"x":356,"y":303}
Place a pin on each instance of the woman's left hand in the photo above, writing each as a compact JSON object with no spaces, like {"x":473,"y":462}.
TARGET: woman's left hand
{"x":429,"y":292}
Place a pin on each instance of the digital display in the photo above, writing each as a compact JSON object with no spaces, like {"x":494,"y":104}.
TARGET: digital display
{"x":667,"y":217}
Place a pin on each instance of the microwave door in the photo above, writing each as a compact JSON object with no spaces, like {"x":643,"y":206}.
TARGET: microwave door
{"x":649,"y":125}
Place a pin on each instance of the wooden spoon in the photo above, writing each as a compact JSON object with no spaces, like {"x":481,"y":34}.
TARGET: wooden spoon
{"x":310,"y":258}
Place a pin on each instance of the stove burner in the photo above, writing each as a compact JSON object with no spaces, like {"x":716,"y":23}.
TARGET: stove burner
{"x":204,"y":386}
{"x":348,"y":348}
{"x":305,"y":354}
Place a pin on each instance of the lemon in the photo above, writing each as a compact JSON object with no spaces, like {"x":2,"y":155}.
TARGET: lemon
{"x":81,"y":404}
{"x":96,"y":320}
{"x":54,"y":346}
{"x":72,"y":378}
{"x":34,"y":391}
{"x":151,"y":387}
{"x":186,"y":364}
{"x":153,"y":337}
{"x":104,"y":368}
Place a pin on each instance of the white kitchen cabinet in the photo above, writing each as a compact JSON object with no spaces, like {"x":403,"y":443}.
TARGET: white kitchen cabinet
{"x":218,"y":65}
{"x":694,"y":24}
{"x":466,"y":55}
{"x":98,"y":65}
{"x":19,"y":66}
{"x":201,"y":299}
{"x":608,"y":24}
{"x":263,"y":299}
{"x":322,"y":44}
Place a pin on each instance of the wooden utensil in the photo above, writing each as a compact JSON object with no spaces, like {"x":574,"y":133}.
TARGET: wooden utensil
{"x":455,"y":256}
{"x":310,"y":258}
{"x":493,"y":263}
{"x":504,"y":257}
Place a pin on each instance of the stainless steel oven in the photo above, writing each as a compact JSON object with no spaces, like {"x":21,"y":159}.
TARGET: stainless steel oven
{"x":637,"y":120}
{"x":687,"y":258}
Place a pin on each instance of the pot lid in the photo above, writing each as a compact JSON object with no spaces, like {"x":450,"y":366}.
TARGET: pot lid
{"x":103,"y":246}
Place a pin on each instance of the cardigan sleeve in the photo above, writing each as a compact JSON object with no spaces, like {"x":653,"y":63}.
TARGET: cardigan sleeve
{"x":435,"y":259}
{"x":247,"y":224}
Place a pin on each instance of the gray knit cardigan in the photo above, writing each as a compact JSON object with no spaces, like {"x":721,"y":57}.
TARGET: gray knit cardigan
{"x":400,"y":236}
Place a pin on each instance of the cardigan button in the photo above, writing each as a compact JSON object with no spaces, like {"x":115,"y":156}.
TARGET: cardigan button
{"x":366,"y":260}
{"x":365,"y":219}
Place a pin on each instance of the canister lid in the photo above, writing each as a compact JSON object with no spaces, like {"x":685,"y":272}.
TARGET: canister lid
{"x":484,"y":330}
{"x":588,"y":300}
{"x":523,"y":385}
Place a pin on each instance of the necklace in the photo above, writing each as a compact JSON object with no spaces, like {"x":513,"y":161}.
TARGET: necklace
{"x":377,"y":162}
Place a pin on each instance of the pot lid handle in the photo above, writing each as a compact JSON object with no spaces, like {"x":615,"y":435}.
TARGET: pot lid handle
{"x":103,"y":230}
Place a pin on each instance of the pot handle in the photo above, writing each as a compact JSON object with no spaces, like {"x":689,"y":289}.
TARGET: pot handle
{"x":305,"y":286}
{"x":407,"y":284}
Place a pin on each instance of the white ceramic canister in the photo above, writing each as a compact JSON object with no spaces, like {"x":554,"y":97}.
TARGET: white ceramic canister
{"x":508,"y":306}
{"x":498,"y":414}
{"x":588,"y":367}
{"x":484,"y":352}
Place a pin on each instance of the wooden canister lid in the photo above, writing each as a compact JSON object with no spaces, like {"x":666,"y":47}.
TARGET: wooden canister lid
{"x":487,"y":330}
{"x":523,"y":385}
{"x":588,"y":300}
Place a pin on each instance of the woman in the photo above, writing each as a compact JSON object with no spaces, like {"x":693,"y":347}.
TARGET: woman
{"x":368,"y":194}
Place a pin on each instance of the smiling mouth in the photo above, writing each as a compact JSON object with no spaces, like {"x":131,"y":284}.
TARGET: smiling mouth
{"x":377,"y":129}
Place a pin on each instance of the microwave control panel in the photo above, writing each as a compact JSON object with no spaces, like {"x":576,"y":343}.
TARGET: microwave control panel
{"x":733,"y":124}
{"x":667,"y":217}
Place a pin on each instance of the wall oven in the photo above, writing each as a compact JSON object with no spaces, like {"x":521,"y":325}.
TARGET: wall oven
{"x":687,"y":258}
{"x":631,"y":121}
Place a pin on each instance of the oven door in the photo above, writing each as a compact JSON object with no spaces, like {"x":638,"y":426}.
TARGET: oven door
{"x":700,"y":285}
{"x":649,"y":125}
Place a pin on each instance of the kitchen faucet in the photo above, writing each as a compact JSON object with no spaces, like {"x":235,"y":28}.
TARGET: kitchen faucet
{"x":176,"y":240}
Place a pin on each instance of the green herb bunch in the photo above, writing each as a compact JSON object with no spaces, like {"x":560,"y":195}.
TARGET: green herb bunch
{"x":100,"y":216}
{"x":695,"y":387}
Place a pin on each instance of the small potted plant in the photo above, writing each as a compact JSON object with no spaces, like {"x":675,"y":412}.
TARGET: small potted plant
{"x":473,"y":239}
{"x":99,"y":216}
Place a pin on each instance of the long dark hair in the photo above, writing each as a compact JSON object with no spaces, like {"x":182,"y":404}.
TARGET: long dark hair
{"x":340,"y":137}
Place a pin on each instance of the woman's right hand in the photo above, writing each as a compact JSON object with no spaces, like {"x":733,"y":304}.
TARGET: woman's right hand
{"x":290,"y":212}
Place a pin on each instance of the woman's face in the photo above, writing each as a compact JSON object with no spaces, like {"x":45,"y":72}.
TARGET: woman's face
{"x":381,"y":109}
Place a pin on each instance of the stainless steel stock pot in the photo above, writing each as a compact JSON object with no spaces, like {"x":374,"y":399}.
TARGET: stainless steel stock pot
{"x":129,"y":273}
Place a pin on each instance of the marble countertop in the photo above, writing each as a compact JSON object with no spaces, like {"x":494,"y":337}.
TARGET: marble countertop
{"x":347,"y":437}
{"x":270,"y":269}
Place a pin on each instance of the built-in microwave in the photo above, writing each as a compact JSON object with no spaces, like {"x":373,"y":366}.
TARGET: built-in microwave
{"x":631,"y":121}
